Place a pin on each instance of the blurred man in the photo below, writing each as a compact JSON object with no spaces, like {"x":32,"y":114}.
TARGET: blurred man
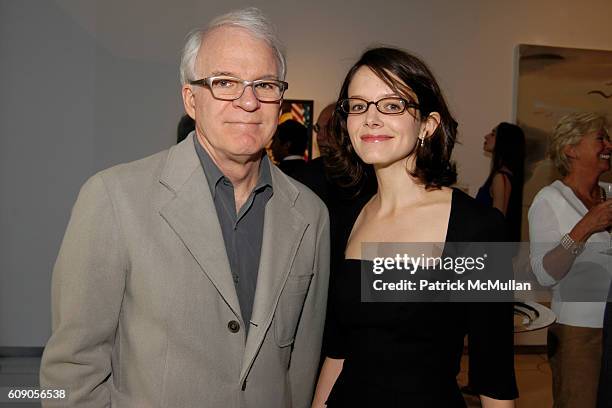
{"x":321,"y":128}
{"x":197,"y":277}
{"x":289,"y":146}
{"x":185,"y":126}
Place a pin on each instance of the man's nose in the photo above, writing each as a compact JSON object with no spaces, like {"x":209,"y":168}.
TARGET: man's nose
{"x":247,"y":101}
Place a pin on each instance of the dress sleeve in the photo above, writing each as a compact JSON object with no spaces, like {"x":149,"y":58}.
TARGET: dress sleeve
{"x":335,"y":334}
{"x":491,"y":335}
{"x":491,"y":350}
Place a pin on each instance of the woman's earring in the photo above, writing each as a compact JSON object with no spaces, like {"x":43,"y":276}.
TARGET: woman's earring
{"x":421,"y":140}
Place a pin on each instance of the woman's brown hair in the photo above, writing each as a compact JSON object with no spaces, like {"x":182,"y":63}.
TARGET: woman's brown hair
{"x":409,"y":77}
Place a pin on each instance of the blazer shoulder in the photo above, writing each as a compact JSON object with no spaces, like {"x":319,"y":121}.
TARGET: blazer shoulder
{"x":134,"y":176}
{"x":146,"y":167}
{"x":309,"y":203}
{"x":306,"y":201}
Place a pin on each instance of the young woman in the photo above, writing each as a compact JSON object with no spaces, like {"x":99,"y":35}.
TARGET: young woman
{"x":503,"y":189}
{"x":391,"y":114}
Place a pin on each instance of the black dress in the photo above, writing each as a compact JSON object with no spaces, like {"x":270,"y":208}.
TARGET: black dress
{"x":514,"y":211}
{"x":408,"y":354}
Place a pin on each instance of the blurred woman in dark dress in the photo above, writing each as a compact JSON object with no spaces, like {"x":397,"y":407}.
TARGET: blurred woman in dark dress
{"x":391,"y":114}
{"x":503,"y":189}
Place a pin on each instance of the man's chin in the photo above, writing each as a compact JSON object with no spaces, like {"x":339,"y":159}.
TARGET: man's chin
{"x":247,"y":155}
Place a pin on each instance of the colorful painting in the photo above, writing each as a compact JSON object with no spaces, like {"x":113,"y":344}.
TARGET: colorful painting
{"x":299,"y":110}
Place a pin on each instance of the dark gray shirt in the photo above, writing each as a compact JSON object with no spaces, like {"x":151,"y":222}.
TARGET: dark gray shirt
{"x":242,"y":231}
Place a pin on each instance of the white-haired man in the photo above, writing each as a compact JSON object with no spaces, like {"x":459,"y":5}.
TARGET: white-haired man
{"x":197,"y":277}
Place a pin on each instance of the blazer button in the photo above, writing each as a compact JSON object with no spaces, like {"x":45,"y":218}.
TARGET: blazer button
{"x":233,"y":326}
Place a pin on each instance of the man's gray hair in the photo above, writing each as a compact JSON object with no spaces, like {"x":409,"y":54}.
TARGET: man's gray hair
{"x":251,"y":19}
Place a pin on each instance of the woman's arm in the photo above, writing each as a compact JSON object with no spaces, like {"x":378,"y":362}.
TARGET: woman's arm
{"x":488,"y":402}
{"x":327,"y":378}
{"x":500,"y":192}
{"x":558,"y":261}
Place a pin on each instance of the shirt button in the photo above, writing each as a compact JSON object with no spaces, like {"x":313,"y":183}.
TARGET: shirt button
{"x":233,"y":326}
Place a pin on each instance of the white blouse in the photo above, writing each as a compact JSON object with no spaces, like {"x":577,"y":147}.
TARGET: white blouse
{"x":554,"y":212}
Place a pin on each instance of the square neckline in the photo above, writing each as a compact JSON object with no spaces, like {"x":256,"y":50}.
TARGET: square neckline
{"x":448,"y":226}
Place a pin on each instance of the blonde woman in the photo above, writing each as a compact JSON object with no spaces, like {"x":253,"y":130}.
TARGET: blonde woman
{"x":563,"y":217}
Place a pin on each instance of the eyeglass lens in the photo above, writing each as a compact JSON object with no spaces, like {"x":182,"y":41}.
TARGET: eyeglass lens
{"x":265,"y":90}
{"x":388,"y":106}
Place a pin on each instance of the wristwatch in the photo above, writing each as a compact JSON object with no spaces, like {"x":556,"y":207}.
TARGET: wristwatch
{"x":573,"y":247}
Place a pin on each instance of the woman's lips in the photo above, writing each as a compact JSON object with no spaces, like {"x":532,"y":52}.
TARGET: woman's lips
{"x":375,"y":138}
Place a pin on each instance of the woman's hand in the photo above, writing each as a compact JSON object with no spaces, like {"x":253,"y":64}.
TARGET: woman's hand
{"x":327,"y":378}
{"x":598,"y":219}
{"x":558,"y":261}
{"x":488,"y":402}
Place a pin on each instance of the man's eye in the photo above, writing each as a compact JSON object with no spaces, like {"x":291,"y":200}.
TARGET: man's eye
{"x":223,"y":83}
{"x":267,"y":86}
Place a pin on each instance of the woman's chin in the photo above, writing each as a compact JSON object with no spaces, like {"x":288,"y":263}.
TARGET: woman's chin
{"x":376,"y":160}
{"x":380,"y":158}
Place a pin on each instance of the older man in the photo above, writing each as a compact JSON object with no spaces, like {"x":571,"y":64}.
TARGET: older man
{"x":197,"y":277}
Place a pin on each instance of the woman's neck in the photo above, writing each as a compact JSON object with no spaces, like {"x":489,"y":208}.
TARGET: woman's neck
{"x":584,"y":186}
{"x":396,"y":187}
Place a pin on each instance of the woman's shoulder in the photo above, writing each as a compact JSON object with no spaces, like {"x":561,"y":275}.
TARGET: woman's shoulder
{"x":465,"y":205}
{"x":551,"y":193}
{"x":471,"y":220}
{"x":502,"y":175}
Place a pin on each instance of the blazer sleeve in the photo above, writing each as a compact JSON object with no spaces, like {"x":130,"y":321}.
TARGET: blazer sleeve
{"x":307,"y":345}
{"x":86,"y":294}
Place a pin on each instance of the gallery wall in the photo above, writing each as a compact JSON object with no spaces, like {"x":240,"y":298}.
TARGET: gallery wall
{"x":85,"y":85}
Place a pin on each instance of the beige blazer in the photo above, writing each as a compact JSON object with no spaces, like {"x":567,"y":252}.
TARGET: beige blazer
{"x":143,"y":303}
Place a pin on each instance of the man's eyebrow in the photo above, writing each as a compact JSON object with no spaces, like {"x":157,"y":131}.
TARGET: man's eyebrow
{"x":231,"y":74}
{"x":223,"y":73}
{"x":271,"y":76}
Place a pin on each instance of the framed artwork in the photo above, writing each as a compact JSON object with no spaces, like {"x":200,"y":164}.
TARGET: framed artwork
{"x":300,"y":110}
{"x":553,"y":82}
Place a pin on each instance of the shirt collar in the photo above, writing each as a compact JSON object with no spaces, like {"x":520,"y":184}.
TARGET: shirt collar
{"x":214,"y":175}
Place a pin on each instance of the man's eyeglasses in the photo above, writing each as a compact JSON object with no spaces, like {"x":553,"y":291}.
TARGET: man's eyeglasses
{"x":228,"y":88}
{"x":388,"y":106}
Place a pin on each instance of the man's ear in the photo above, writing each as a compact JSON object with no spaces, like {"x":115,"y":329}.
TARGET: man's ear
{"x":188,"y":100}
{"x":430,"y":124}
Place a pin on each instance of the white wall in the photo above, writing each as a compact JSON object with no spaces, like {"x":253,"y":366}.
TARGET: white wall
{"x":85,"y":85}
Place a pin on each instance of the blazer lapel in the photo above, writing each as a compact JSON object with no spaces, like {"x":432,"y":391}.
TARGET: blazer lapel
{"x":193,"y":217}
{"x":284,"y":228}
